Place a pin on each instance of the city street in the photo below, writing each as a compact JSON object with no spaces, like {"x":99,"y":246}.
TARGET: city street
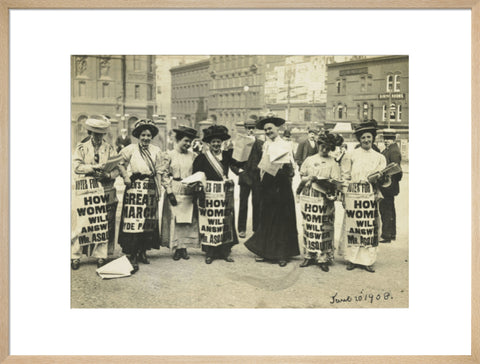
{"x":166,"y":283}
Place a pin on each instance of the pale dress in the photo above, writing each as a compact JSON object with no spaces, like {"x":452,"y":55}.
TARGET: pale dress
{"x":357,"y":165}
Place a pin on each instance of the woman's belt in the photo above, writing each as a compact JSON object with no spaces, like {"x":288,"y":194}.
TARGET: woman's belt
{"x":137,"y":176}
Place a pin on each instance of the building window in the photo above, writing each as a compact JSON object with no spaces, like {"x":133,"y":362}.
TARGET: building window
{"x":365,"y":111}
{"x":137,"y":92}
{"x":384,"y":112}
{"x":393,"y":112}
{"x":340,"y":111}
{"x":397,"y":83}
{"x":363,"y":85}
{"x":105,"y":90}
{"x":149,"y":92}
{"x":359,"y":112}
{"x":82,"y":89}
{"x":339,"y":86}
{"x":399,"y":113}
{"x":389,"y":83}
{"x":371,"y":111}
{"x":307,"y":115}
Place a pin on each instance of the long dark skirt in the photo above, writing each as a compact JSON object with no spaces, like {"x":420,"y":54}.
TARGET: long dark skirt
{"x":276,"y":237}
{"x":389,"y":218}
{"x":136,"y":241}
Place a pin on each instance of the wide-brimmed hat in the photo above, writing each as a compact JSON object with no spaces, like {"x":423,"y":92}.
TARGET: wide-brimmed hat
{"x":389,"y":134}
{"x":143,"y":124}
{"x":185,"y":131}
{"x":99,"y":126}
{"x":331,"y":141}
{"x":251,"y":122}
{"x":215,"y":132}
{"x":366,"y":127}
{"x":269,"y":118}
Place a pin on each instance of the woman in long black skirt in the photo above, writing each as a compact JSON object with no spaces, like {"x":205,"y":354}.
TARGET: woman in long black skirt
{"x":276,"y":237}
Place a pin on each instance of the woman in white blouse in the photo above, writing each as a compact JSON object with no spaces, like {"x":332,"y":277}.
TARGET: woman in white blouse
{"x":315,"y":169}
{"x":179,"y":233}
{"x":361,"y":222}
{"x":139,"y":229}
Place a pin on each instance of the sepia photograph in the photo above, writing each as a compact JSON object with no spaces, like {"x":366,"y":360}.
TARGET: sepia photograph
{"x":239,"y":181}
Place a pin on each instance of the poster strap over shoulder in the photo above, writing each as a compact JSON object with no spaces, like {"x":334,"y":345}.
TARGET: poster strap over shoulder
{"x":215,"y":163}
{"x":145,"y":153}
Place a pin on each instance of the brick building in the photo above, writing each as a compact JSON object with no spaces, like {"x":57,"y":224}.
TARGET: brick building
{"x":122,"y":88}
{"x":370,"y":88}
{"x":190,"y":92}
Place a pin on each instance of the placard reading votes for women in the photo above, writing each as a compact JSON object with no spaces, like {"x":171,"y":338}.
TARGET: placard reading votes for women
{"x":140,"y":208}
{"x":94,"y":215}
{"x":217,"y":217}
{"x":360,"y":208}
{"x":318,"y":216}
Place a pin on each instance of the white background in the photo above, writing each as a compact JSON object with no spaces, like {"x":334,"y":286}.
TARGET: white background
{"x":438,"y":319}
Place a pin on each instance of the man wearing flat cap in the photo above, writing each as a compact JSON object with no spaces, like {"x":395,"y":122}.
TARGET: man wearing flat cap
{"x":249,"y":181}
{"x":387,"y":205}
{"x":307,"y":148}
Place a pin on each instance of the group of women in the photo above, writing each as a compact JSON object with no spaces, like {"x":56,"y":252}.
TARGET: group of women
{"x":147,"y":171}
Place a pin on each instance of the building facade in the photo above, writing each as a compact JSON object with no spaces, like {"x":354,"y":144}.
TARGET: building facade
{"x":237,"y":88}
{"x":190,"y":86}
{"x":121,"y":88}
{"x":370,"y":88}
{"x":164,"y":83}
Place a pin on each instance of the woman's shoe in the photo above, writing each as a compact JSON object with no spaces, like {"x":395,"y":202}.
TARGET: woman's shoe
{"x":185,"y":255}
{"x":75,"y":264}
{"x":208,"y":260}
{"x":177,"y":255}
{"x":282,"y":263}
{"x":369,"y":268}
{"x":101,"y":262}
{"x":229,"y":259}
{"x":142,"y":257}
{"x":350,"y":266}
{"x":324,"y":267}
{"x":305,"y":263}
{"x":134,"y":262}
{"x":259,"y":259}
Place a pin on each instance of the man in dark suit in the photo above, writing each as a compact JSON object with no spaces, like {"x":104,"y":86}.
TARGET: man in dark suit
{"x":249,"y":180}
{"x":123,"y":140}
{"x":387,"y":205}
{"x":308,"y":147}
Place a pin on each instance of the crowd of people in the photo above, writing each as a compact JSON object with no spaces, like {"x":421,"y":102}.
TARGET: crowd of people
{"x":183,"y":198}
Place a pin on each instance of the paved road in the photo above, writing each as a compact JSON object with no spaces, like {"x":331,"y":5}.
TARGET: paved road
{"x":247,"y":284}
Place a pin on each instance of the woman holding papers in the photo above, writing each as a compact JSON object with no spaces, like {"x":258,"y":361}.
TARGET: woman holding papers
{"x":276,"y":237}
{"x":361,"y":222}
{"x":216,"y":212}
{"x":179,"y":217}
{"x":94,"y":233}
{"x":139,"y":230}
{"x":317,"y":202}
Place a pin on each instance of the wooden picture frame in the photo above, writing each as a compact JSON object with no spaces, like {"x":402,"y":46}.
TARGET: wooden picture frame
{"x":7,"y":5}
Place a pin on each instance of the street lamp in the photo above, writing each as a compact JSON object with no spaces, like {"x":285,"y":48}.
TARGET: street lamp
{"x":245,"y":89}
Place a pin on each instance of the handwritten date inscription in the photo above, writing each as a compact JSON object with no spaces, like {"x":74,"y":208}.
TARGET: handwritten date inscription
{"x":362,"y":297}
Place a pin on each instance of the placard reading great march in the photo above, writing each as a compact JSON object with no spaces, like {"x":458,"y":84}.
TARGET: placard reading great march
{"x":140,"y":208}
